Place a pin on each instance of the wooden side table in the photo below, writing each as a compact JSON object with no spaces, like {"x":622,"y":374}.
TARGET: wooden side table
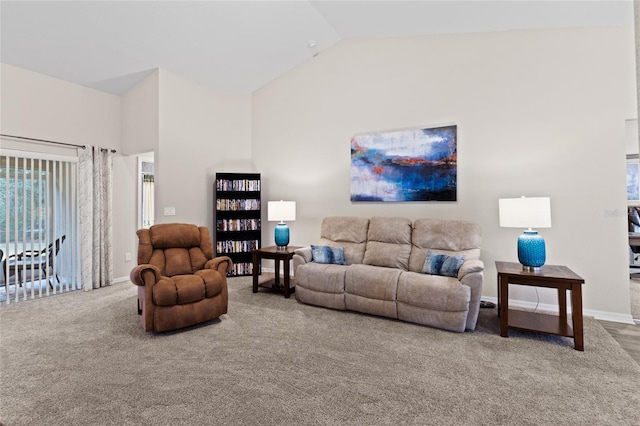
{"x":551,"y":276}
{"x":272,"y":252}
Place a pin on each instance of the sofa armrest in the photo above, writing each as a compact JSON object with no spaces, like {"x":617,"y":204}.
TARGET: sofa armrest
{"x":471,"y":275}
{"x":469,"y":267}
{"x":221,"y":264}
{"x":136,"y":275}
{"x":305,"y":253}
{"x":301,"y":256}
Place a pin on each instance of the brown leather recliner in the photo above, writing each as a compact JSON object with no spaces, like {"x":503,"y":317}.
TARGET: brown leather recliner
{"x":179,"y":281}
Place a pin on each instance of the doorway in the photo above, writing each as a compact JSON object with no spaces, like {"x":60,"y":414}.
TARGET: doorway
{"x":633,"y":200}
{"x":146,"y":188}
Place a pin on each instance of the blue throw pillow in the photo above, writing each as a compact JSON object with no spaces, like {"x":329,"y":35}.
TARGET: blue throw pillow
{"x":441,"y":264}
{"x":328,"y":254}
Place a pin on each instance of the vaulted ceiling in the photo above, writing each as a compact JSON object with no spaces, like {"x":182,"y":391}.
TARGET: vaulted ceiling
{"x":238,"y":46}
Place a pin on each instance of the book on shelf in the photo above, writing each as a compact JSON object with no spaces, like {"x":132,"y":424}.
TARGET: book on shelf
{"x":226,"y":225}
{"x":237,"y":185}
{"x":225,"y":204}
{"x":232,"y":246}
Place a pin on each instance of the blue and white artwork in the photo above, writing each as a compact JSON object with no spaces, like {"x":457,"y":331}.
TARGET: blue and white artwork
{"x":405,"y":165}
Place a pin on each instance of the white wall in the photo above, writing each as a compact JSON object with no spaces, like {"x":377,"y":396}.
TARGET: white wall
{"x":201,"y":133}
{"x":141,"y":116}
{"x":37,"y":106}
{"x":539,"y":113}
{"x":193,"y":133}
{"x":140,"y":135}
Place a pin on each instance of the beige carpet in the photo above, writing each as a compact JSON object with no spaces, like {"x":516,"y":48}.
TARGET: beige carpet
{"x":83,"y":359}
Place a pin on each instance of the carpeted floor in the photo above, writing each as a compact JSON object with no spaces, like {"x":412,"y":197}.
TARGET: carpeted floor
{"x":83,"y":359}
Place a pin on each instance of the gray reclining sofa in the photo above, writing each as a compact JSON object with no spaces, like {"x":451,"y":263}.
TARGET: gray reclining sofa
{"x":384,"y":259}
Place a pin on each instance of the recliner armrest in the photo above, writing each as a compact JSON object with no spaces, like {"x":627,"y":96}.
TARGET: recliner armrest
{"x":217,"y":263}
{"x":138,"y":271}
{"x":469,"y":267}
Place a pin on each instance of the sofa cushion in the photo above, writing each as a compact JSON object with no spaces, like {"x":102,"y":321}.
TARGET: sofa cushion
{"x":190,"y":244}
{"x":213,"y":281}
{"x":372,"y":282}
{"x":167,"y":235}
{"x":177,"y":261}
{"x":321,"y":284}
{"x":179,"y":290}
{"x":372,"y":290}
{"x":450,"y":237}
{"x":325,"y":278}
{"x":328,"y":254}
{"x":388,"y":242}
{"x":350,"y":233}
{"x":433,"y":292}
{"x":442,"y":264}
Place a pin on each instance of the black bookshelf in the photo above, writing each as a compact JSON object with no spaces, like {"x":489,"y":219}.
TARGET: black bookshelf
{"x":237,"y":220}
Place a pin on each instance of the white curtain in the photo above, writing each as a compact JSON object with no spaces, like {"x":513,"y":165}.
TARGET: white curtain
{"x":95,"y":188}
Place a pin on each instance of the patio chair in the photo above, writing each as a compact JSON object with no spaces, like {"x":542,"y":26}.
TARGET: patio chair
{"x":33,"y":260}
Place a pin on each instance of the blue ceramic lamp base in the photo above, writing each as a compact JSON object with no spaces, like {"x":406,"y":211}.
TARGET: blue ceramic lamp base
{"x":282,"y":236}
{"x":531,"y":251}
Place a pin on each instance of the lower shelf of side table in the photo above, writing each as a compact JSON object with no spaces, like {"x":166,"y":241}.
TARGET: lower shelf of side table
{"x":268,"y":279}
{"x":545,"y":323}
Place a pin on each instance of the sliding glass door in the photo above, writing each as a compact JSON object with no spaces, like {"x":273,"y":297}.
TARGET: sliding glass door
{"x":38,"y":225}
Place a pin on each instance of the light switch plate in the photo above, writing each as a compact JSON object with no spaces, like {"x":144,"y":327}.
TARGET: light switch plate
{"x":169,"y":211}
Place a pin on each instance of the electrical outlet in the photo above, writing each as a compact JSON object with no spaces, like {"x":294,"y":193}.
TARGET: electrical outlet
{"x":169,"y":211}
{"x":127,"y":257}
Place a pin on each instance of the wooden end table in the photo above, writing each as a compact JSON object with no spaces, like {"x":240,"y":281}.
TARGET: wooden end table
{"x":277,"y":255}
{"x":551,"y":276}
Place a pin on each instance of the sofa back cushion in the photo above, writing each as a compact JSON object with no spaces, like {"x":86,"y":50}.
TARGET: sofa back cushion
{"x":350,"y":233}
{"x":389,"y":242}
{"x":451,"y":237}
{"x":175,"y":248}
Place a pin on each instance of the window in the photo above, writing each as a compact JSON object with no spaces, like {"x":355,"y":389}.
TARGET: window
{"x":23,"y":206}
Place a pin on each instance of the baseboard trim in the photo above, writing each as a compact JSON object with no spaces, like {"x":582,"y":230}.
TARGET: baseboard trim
{"x":599,"y":315}
{"x":120,"y":280}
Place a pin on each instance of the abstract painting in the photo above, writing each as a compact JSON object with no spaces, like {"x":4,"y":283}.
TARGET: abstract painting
{"x":405,"y":165}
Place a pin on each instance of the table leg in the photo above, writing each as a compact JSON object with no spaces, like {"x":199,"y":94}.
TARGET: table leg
{"x":256,"y":269}
{"x":576,"y":315}
{"x":286,"y":278}
{"x":277,"y":271}
{"x":498,"y":281}
{"x":503,"y":296}
{"x":562,"y":304}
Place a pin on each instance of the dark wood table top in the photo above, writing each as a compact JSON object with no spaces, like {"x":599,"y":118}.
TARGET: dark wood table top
{"x":274,"y":250}
{"x":553,"y":272}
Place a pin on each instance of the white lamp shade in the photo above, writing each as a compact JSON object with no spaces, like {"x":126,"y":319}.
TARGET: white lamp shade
{"x":534,"y":212}
{"x":281,"y":211}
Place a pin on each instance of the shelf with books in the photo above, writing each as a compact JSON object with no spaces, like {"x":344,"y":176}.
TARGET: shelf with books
{"x":237,"y":221}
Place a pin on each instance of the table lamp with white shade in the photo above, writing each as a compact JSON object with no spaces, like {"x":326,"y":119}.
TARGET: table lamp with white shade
{"x":532,"y":212}
{"x":281,"y":211}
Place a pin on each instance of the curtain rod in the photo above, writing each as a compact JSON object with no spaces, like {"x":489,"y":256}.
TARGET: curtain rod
{"x":47,"y":141}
